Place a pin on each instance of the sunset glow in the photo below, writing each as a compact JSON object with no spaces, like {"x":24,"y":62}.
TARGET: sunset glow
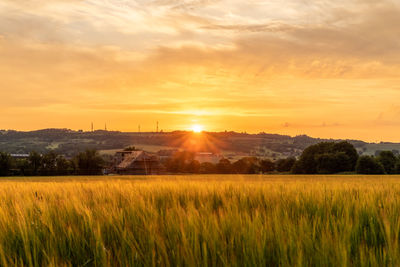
{"x":197,"y":128}
{"x":323,"y":68}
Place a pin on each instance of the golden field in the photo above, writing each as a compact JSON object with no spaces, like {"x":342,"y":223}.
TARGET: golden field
{"x":214,"y":220}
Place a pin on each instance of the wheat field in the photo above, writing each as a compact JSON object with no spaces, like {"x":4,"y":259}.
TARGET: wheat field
{"x":200,"y":221}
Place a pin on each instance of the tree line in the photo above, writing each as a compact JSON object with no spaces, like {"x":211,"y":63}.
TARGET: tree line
{"x":321,"y":158}
{"x":185,"y":162}
{"x":342,"y":157}
{"x":88,"y":162}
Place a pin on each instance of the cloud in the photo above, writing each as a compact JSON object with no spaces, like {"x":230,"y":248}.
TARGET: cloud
{"x":38,"y":3}
{"x":246,"y":67}
{"x":184,"y":4}
{"x":268,"y":27}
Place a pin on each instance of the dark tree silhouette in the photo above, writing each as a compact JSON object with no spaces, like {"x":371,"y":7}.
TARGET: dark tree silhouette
{"x":89,"y":163}
{"x":224,"y":166}
{"x":327,"y":157}
{"x":369,"y":165}
{"x":192,"y":167}
{"x":267,"y":165}
{"x":177,"y":163}
{"x":246,"y":165}
{"x":35,"y":162}
{"x":285,"y":165}
{"x":388,"y":161}
{"x":6,"y":164}
{"x":207,"y":168}
{"x":48,"y":164}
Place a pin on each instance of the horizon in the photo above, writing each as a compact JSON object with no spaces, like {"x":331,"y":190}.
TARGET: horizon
{"x":202,"y":131}
{"x":327,"y":68}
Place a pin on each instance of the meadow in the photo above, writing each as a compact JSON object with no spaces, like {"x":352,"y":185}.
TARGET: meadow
{"x":216,"y":220}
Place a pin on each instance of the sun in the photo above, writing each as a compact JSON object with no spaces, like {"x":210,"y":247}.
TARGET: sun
{"x":197,"y":128}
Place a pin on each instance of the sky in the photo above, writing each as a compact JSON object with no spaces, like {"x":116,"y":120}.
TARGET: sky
{"x":327,"y":69}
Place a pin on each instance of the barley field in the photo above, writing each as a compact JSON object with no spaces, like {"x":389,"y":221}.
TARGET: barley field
{"x":233,"y":220}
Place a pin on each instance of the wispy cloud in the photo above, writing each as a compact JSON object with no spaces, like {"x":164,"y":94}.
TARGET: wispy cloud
{"x":241,"y":64}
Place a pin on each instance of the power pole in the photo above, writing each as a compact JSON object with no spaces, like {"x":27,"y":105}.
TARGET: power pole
{"x":139,"y":128}
{"x":92,"y":127}
{"x":157,"y":127}
{"x":105,"y":127}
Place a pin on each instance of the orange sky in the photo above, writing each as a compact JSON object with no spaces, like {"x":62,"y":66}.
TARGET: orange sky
{"x":322,"y":68}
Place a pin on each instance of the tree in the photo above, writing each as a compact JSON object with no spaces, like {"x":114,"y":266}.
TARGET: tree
{"x":369,"y":165}
{"x":63,"y":166}
{"x":89,"y":162}
{"x":6,"y":163}
{"x":35,"y":162}
{"x":23,"y":167}
{"x":350,"y":152}
{"x":48,"y":164}
{"x":207,"y":168}
{"x":307,"y":163}
{"x":397,"y":167}
{"x":178,"y":162}
{"x":297,"y":168}
{"x":246,"y":165}
{"x":327,"y":157}
{"x":388,"y":160}
{"x":267,"y":165}
{"x":333,"y":163}
{"x":285,"y":165}
{"x":224,"y":166}
{"x":192,"y":167}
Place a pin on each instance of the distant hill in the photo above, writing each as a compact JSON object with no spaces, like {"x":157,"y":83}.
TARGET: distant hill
{"x":231,"y":144}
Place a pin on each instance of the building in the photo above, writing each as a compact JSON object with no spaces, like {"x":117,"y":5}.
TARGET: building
{"x":20,"y":156}
{"x":166,"y":154}
{"x":207,"y":157}
{"x":137,"y":163}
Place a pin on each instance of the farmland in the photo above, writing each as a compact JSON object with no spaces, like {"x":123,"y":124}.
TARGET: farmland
{"x":215,"y":220}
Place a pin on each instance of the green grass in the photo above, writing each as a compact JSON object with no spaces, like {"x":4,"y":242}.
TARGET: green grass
{"x":200,"y":221}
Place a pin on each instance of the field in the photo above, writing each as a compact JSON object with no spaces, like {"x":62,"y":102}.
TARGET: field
{"x":200,"y":221}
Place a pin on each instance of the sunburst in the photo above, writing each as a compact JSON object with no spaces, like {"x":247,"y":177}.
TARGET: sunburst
{"x":197,"y":128}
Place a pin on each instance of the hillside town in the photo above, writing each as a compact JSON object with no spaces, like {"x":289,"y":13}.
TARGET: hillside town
{"x":140,"y":162}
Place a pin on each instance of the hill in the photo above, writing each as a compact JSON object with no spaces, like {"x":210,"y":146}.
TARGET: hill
{"x":231,"y":144}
